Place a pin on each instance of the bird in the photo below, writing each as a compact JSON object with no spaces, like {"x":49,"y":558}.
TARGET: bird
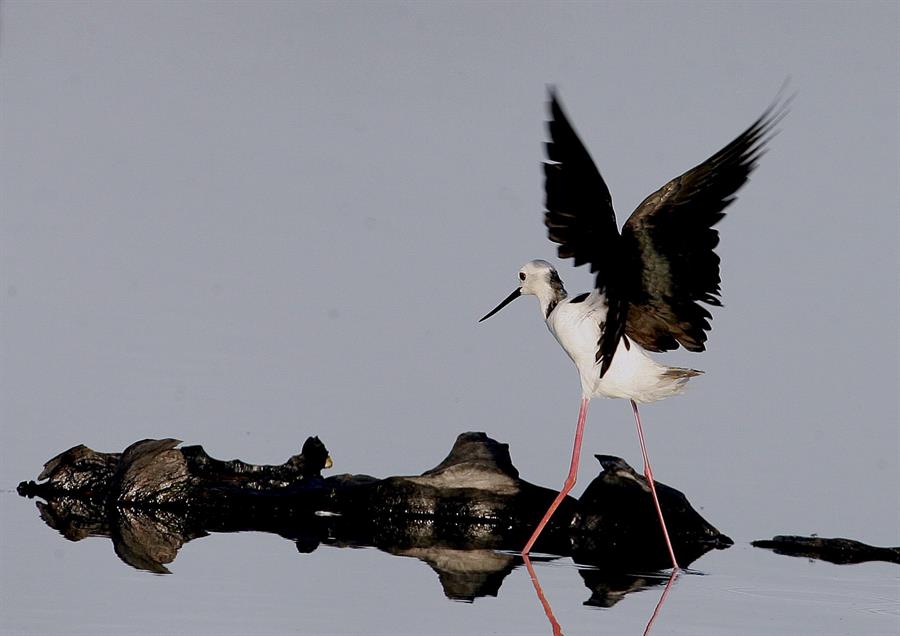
{"x":652,"y":279}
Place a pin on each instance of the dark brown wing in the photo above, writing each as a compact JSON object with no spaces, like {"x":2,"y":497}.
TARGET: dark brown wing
{"x":580,"y":217}
{"x":668,"y":244}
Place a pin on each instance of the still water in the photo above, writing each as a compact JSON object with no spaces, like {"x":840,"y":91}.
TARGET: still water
{"x":256,"y":583}
{"x":240,"y":224}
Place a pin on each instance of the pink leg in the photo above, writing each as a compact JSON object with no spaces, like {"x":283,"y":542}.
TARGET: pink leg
{"x":648,"y":473}
{"x":548,"y":611}
{"x":570,"y":480}
{"x":662,"y":600}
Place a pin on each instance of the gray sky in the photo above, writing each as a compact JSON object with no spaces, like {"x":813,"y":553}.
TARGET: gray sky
{"x":242,"y":224}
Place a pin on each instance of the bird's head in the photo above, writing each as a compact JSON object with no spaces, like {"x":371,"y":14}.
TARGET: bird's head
{"x":536,"y":278}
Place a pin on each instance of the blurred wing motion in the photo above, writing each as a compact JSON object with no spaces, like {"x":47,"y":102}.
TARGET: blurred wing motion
{"x":656,"y":273}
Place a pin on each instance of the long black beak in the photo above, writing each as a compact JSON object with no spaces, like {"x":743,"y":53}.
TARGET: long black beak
{"x":508,"y":300}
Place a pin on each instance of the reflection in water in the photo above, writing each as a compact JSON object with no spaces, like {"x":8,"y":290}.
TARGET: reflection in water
{"x":467,"y":518}
{"x":554,"y":624}
{"x":609,"y":586}
{"x":636,"y":583}
{"x":145,"y":539}
{"x":465,"y":574}
{"x":149,"y":539}
{"x":662,"y":599}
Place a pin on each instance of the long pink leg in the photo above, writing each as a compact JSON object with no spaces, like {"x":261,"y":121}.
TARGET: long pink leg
{"x":548,"y":611}
{"x":648,"y":473}
{"x":570,"y":480}
{"x":659,"y":604}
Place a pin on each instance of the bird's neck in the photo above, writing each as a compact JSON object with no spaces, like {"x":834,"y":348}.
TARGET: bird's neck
{"x":550,"y":296}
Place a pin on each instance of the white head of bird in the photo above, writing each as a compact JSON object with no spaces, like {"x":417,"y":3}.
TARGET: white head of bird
{"x":536,"y":278}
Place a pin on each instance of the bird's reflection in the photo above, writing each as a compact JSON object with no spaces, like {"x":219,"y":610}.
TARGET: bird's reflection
{"x":545,"y":604}
{"x":661,"y":601}
{"x":607,"y":588}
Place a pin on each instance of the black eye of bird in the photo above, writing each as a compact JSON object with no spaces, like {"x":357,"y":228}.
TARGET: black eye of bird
{"x":521,"y":275}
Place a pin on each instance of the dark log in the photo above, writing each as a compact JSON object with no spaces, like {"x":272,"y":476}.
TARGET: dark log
{"x":838,"y":550}
{"x":154,"y":497}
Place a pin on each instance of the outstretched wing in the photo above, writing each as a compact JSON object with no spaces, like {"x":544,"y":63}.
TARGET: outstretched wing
{"x":669,"y":263}
{"x":579,"y":214}
{"x":580,"y":217}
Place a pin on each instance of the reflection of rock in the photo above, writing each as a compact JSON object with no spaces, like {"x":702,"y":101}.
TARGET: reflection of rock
{"x":616,"y":517}
{"x":74,"y":518}
{"x":154,"y":497}
{"x":150,"y":539}
{"x":841,"y":551}
{"x":145,"y":538}
{"x":608,"y":588}
{"x":465,"y":574}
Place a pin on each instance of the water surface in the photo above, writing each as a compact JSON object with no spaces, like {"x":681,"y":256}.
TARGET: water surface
{"x":254,"y":583}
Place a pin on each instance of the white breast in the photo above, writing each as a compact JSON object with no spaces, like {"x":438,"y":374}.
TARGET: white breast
{"x":632,"y":375}
{"x":576,"y":326}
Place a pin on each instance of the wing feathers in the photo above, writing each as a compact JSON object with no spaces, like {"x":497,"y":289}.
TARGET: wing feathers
{"x":670,"y":238}
{"x":579,"y":214}
{"x":663,"y":265}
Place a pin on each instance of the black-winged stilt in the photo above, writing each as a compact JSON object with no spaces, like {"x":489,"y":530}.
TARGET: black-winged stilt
{"x":650,"y":281}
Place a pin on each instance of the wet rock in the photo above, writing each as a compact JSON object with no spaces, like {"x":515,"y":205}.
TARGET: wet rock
{"x":156,"y":472}
{"x":474,"y":497}
{"x":840,"y":551}
{"x":152,"y":471}
{"x":155,"y":496}
{"x":309,"y":463}
{"x":616,"y":517}
{"x":80,"y":470}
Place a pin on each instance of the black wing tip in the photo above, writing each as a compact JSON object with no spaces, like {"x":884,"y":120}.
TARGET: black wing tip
{"x":765,"y":128}
{"x":777,"y":108}
{"x":781,"y":104}
{"x":745,"y":150}
{"x":558,"y":116}
{"x":553,"y":101}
